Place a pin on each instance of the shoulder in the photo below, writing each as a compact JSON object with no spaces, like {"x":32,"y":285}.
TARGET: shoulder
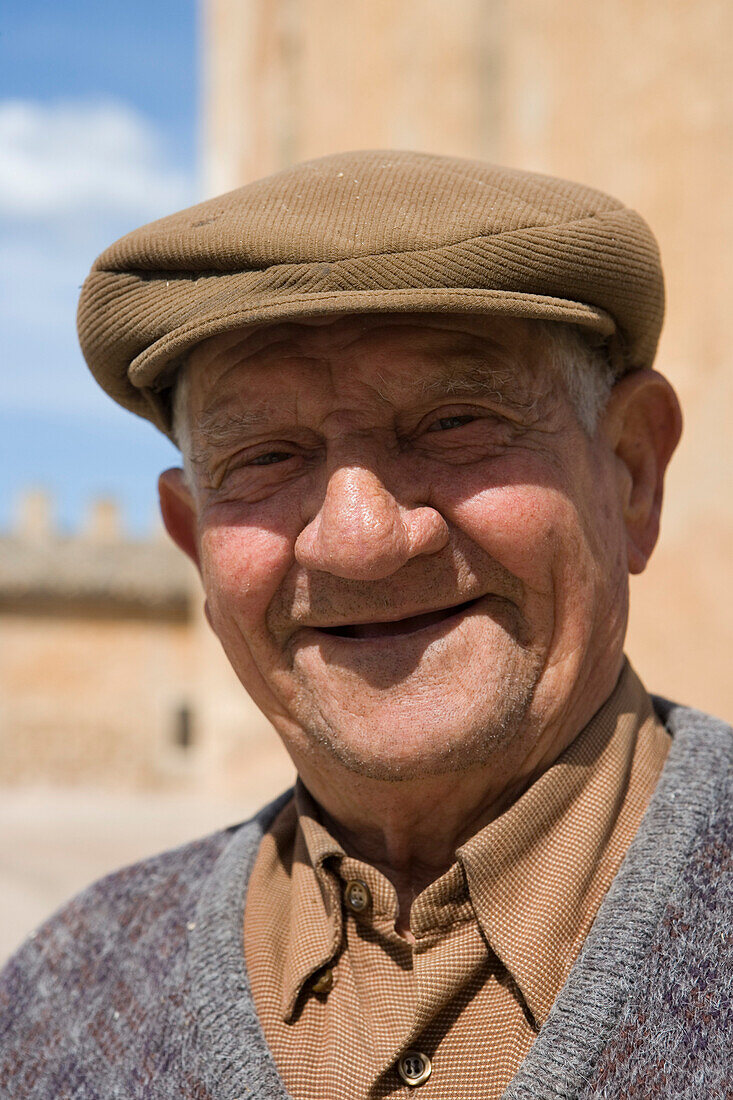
{"x":677,"y":716}
{"x":646,"y":1008}
{"x":103,"y":981}
{"x":125,"y":911}
{"x":699,"y":773}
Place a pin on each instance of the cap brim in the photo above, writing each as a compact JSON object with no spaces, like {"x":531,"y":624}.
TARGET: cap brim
{"x":153,"y":371}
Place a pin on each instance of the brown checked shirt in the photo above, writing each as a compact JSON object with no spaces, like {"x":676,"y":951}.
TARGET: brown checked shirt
{"x":342,"y":997}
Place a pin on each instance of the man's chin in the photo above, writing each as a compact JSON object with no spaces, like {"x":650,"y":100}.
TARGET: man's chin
{"x":408,"y":755}
{"x":414,"y":736}
{"x":404,"y":711}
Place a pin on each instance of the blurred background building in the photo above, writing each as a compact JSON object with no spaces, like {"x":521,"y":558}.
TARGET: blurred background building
{"x":110,"y":680}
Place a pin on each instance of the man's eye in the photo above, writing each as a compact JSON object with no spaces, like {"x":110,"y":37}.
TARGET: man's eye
{"x":270,"y":458}
{"x":445,"y":423}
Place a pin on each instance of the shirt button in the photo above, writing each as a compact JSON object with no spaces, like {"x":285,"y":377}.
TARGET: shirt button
{"x":357,"y":896}
{"x":323,"y":982}
{"x":414,"y":1068}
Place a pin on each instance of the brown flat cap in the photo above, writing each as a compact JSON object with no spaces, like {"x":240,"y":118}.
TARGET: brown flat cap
{"x":367,"y":232}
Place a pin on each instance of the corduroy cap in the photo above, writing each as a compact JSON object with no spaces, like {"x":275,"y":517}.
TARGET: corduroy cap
{"x":367,"y":232}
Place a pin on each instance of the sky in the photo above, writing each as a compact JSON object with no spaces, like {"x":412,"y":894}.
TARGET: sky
{"x":98,"y":134}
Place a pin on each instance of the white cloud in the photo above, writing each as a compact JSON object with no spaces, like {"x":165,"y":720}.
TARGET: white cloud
{"x":84,"y":157}
{"x":73,"y":178}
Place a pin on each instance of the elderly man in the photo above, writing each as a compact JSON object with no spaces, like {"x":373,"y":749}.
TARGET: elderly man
{"x":423,"y":448}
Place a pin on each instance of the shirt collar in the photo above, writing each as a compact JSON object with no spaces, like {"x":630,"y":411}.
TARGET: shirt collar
{"x":315,"y":913}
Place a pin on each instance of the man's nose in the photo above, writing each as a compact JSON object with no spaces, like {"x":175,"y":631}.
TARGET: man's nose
{"x":361,"y":532}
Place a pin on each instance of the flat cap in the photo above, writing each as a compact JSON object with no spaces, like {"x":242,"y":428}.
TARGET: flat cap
{"x":367,"y":232}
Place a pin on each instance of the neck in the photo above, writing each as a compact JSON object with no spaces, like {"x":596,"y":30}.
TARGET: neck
{"x":411,"y":829}
{"x":397,"y":832}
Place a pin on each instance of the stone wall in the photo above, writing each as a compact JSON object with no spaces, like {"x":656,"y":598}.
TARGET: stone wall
{"x":96,"y":697}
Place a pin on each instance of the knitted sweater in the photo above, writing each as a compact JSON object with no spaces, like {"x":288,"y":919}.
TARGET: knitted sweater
{"x":137,"y":989}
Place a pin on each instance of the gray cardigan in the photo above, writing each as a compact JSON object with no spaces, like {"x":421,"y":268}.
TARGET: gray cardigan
{"x":137,"y":989}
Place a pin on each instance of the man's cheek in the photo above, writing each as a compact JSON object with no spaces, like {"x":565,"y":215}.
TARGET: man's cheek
{"x":518,"y":527}
{"x":242,"y":566}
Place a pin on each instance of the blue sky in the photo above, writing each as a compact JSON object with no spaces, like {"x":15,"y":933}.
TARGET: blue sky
{"x":98,"y":134}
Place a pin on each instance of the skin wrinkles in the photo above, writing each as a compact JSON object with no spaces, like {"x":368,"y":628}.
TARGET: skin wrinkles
{"x":465,"y":373}
{"x":378,"y":490}
{"x":317,"y":599}
{"x":220,"y":451}
{"x":398,"y":663}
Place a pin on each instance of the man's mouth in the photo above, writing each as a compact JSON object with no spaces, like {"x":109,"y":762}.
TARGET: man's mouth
{"x":409,"y":625}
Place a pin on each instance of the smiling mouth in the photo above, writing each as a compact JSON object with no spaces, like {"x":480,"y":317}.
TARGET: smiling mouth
{"x":398,"y":627}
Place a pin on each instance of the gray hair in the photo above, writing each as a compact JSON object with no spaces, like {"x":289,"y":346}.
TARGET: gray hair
{"x":587,"y":365}
{"x":180,"y":421}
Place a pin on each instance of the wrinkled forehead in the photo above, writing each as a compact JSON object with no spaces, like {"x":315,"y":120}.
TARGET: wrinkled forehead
{"x":404,"y":349}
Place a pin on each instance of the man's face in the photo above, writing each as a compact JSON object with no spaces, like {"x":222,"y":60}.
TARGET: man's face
{"x":412,"y":553}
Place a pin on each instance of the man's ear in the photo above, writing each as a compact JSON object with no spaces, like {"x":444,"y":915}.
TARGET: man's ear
{"x":642,"y":422}
{"x":179,"y":511}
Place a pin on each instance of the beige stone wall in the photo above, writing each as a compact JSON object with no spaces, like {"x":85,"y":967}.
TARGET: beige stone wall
{"x":285,"y":80}
{"x":632,"y":97}
{"x":92,"y":699}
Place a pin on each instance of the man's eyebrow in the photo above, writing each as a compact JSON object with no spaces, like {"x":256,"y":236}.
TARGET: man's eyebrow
{"x":471,"y":375}
{"x":466,"y":374}
{"x":221,"y":426}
